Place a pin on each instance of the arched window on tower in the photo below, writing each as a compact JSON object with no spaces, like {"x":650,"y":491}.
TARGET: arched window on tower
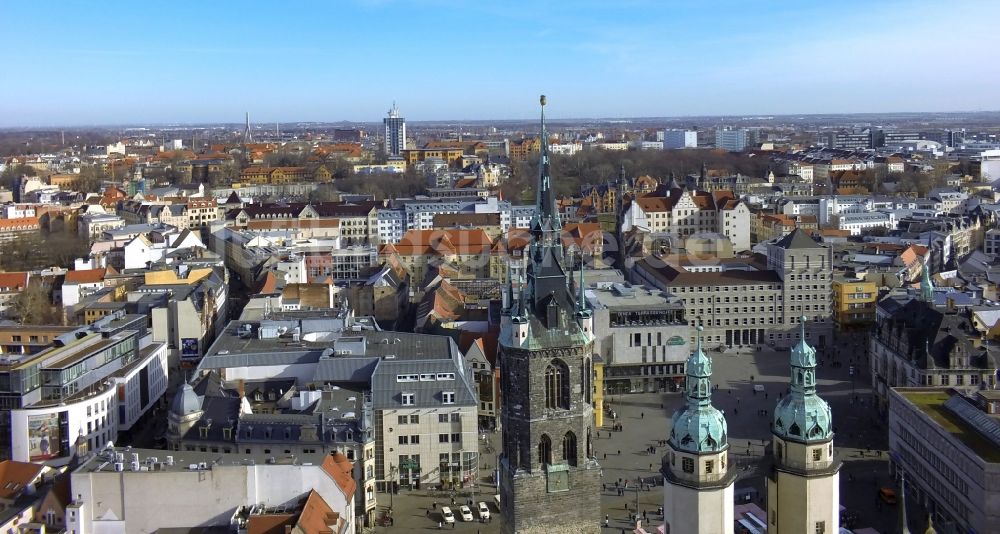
{"x":544,"y":450}
{"x":557,"y":385}
{"x":569,"y":448}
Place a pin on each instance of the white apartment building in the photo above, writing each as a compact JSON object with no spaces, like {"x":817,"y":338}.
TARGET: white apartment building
{"x":830,"y":207}
{"x":861,"y":223}
{"x":418,"y":214}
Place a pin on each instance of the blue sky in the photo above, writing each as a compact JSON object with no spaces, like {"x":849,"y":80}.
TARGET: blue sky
{"x":73,"y":63}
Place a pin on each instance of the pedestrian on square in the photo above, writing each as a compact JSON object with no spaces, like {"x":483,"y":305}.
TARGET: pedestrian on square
{"x":435,"y":505}
{"x":619,"y":452}
{"x":642,"y":415}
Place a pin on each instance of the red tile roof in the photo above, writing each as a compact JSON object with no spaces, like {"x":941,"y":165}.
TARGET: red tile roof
{"x":340,"y":470}
{"x":444,"y":242}
{"x":86,"y":276}
{"x":317,"y":517}
{"x":14,"y":280}
{"x":20,"y":223}
{"x":15,"y":476}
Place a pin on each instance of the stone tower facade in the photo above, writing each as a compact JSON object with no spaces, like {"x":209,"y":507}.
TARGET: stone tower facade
{"x":549,"y":477}
{"x":803,"y":486}
{"x":698,"y":480}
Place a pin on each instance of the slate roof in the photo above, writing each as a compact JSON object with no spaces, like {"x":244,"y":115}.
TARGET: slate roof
{"x":926,"y":328}
{"x":797,"y":239}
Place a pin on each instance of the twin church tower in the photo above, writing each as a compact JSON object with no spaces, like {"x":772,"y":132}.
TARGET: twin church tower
{"x":803,"y":485}
{"x":549,"y":477}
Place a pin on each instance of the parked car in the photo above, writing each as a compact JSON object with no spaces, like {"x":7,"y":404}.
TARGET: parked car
{"x":447,"y":515}
{"x":466,"y":513}
{"x":484,"y":511}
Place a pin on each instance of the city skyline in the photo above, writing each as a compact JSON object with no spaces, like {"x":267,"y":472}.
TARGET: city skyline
{"x":442,"y":60}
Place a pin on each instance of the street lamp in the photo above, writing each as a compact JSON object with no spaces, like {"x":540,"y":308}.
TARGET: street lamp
{"x":392,"y":482}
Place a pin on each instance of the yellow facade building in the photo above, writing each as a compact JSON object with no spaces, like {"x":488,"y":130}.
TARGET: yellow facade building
{"x":853,"y":303}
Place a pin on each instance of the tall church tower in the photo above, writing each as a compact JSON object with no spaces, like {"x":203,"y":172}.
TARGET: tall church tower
{"x":549,"y":477}
{"x":698,"y":482}
{"x":803,"y":487}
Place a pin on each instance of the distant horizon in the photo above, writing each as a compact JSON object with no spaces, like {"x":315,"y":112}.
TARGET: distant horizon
{"x":268,"y":124}
{"x":207,"y":63}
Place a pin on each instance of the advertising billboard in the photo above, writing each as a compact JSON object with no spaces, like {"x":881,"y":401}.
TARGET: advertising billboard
{"x":189,"y":347}
{"x":44,"y":441}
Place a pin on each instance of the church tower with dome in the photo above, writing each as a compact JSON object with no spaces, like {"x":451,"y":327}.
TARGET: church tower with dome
{"x":803,"y":485}
{"x":698,"y":481}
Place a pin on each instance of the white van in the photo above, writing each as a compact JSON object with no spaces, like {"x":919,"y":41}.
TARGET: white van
{"x":447,"y":515}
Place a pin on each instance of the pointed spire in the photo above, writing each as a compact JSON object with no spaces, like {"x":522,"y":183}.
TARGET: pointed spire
{"x":546,"y":197}
{"x":621,"y":174}
{"x":903,"y":529}
{"x":802,"y":415}
{"x":699,"y":373}
{"x":522,"y":310}
{"x":926,"y":286}
{"x":581,"y":299}
{"x":509,"y":290}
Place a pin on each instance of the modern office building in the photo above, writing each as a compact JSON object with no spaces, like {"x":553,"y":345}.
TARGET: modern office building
{"x":641,"y":335}
{"x":850,"y":140}
{"x":673,"y":139}
{"x":395,"y":133}
{"x":947,"y":445}
{"x":731,"y":140}
{"x":80,"y":390}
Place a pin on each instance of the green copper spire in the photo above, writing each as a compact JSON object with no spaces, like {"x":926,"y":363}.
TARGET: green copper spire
{"x":802,"y":415}
{"x":699,"y":427}
{"x":926,"y":286}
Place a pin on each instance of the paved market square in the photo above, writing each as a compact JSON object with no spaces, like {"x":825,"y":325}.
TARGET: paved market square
{"x":645,"y":420}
